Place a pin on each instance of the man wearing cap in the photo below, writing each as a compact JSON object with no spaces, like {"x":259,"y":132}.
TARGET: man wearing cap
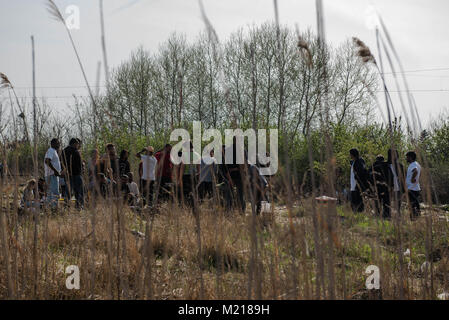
{"x":149,"y":163}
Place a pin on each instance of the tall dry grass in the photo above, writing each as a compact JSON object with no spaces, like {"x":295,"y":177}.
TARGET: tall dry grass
{"x":175,"y":253}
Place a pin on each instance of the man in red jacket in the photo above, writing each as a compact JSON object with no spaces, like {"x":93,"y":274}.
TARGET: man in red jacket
{"x":164,"y":169}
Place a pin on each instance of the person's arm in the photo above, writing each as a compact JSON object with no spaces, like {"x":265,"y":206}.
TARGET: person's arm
{"x":414,"y":175}
{"x":138,"y":154}
{"x":50,"y":165}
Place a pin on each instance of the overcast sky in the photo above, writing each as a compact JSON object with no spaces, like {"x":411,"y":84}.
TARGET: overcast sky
{"x":419,"y":28}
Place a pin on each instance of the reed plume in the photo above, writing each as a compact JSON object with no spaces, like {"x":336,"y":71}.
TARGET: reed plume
{"x":5,"y":83}
{"x":54,"y":12}
{"x":304,"y":49}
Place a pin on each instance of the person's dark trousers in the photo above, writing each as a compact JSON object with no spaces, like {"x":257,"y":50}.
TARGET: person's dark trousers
{"x":383,"y":201}
{"x":258,"y":201}
{"x":164,"y":188}
{"x":77,"y":187}
{"x":147,"y":191}
{"x":65,"y":191}
{"x":205,"y":189}
{"x":240,"y":196}
{"x":357,"y":201}
{"x":185,"y":193}
{"x":226,"y":192}
{"x":414,"y":203}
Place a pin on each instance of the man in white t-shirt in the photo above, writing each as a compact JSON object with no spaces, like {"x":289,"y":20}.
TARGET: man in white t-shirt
{"x":412,"y":182}
{"x":52,"y":168}
{"x":149,"y":163}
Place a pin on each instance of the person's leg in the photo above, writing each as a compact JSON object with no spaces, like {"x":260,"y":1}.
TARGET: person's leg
{"x":78,"y":189}
{"x":258,"y":201}
{"x":386,"y":204}
{"x":361,"y":204}
{"x":202,"y":191}
{"x":210,"y":189}
{"x":398,"y":201}
{"x":66,"y":190}
{"x":227,"y":195}
{"x":414,"y":203}
{"x":53,"y":190}
{"x":240,"y":195}
{"x":160,"y":188}
{"x":187,"y":189}
{"x":145,"y":186}
{"x":355,"y":200}
{"x":150,"y":193}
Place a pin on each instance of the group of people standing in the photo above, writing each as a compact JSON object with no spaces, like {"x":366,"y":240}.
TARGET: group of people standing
{"x":386,"y":182}
{"x":110,"y":175}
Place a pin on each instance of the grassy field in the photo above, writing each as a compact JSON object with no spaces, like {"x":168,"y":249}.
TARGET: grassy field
{"x":174,"y":253}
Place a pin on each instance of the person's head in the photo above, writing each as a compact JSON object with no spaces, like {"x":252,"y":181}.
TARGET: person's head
{"x":124,"y":178}
{"x":55,"y":144}
{"x":354,"y":153}
{"x":124,"y":155}
{"x":150,"y":150}
{"x":167,"y":147}
{"x":390,"y":155}
{"x":31,"y":184}
{"x":411,"y":156}
{"x":110,"y":149}
{"x":94,"y":154}
{"x":211,"y":153}
{"x":380,"y":158}
{"x":130,"y":177}
{"x":75,"y":143}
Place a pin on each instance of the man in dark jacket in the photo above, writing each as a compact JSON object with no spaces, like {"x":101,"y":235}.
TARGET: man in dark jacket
{"x":358,"y":180}
{"x":72,"y":165}
{"x":380,"y":175}
{"x":397,"y":179}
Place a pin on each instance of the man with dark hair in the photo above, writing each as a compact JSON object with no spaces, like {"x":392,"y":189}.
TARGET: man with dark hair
{"x":413,"y":186}
{"x":52,"y":167}
{"x":380,"y":175}
{"x":123,"y":163}
{"x":358,"y":180}
{"x":109,"y":163}
{"x":73,"y":166}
